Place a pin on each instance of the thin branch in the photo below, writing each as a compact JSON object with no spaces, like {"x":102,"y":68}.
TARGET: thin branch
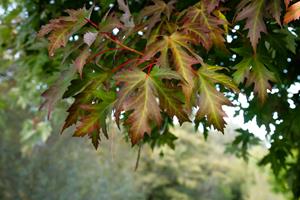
{"x":102,"y":52}
{"x":115,"y":40}
{"x":92,"y":23}
{"x":138,"y":158}
{"x":123,"y":64}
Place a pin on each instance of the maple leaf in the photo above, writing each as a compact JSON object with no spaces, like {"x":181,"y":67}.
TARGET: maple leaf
{"x":56,"y":91}
{"x":210,"y":73}
{"x":255,"y":71}
{"x":212,"y":4}
{"x":199,"y":34}
{"x":139,"y":96}
{"x":75,"y":109}
{"x":180,"y":50}
{"x":81,"y":60}
{"x":293,"y":13}
{"x":287,"y":2}
{"x":96,"y":119}
{"x":253,"y":12}
{"x":62,"y":28}
{"x":126,"y":17}
{"x":203,"y":25}
{"x":210,"y":100}
{"x":154,"y":12}
{"x":275,"y":10}
{"x":85,"y":97}
{"x":171,"y":99}
{"x":183,"y":63}
{"x":260,"y":76}
{"x":110,"y":22}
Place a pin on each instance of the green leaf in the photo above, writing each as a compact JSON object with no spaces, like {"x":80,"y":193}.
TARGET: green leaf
{"x":85,"y":97}
{"x":255,"y":71}
{"x":210,"y":100}
{"x":95,"y":120}
{"x":171,"y":99}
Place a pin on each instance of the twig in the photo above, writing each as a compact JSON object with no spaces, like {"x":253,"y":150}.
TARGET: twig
{"x":138,"y":158}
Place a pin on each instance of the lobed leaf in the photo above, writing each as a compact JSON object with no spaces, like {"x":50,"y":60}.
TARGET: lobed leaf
{"x":210,"y":100}
{"x":293,"y":13}
{"x":139,"y":96}
{"x":62,"y":28}
{"x":253,"y":12}
{"x":255,"y":71}
{"x":54,"y":93}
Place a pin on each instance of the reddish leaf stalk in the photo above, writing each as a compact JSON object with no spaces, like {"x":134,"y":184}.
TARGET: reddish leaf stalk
{"x":92,"y":23}
{"x":123,"y":64}
{"x":150,"y":66}
{"x":115,"y":40}
{"x":102,"y":52}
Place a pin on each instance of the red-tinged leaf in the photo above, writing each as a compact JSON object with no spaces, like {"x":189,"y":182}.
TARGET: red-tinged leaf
{"x":95,"y":120}
{"x":75,"y":110}
{"x":204,"y":26}
{"x":199,"y":34}
{"x":210,"y":100}
{"x":153,"y":13}
{"x":56,"y":91}
{"x":287,"y":3}
{"x":183,"y":63}
{"x":88,"y":125}
{"x":293,"y":13}
{"x":109,"y":23}
{"x":62,"y":28}
{"x":253,"y":13}
{"x":131,"y":81}
{"x":212,"y":4}
{"x":126,"y":17}
{"x":139,"y":96}
{"x":153,"y":49}
{"x":274,"y":7}
{"x":210,"y":104}
{"x":171,"y":99}
{"x":178,"y":45}
{"x":81,"y":60}
{"x":255,"y":71}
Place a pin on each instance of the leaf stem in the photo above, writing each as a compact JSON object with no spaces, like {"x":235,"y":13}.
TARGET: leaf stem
{"x":150,"y":66}
{"x":92,"y":23}
{"x":123,"y":64}
{"x":115,"y":40}
{"x":102,"y":52}
{"x":138,"y":158}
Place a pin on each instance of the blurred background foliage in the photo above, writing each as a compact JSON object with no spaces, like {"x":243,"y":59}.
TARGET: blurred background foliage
{"x":37,"y":163}
{"x":72,"y":169}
